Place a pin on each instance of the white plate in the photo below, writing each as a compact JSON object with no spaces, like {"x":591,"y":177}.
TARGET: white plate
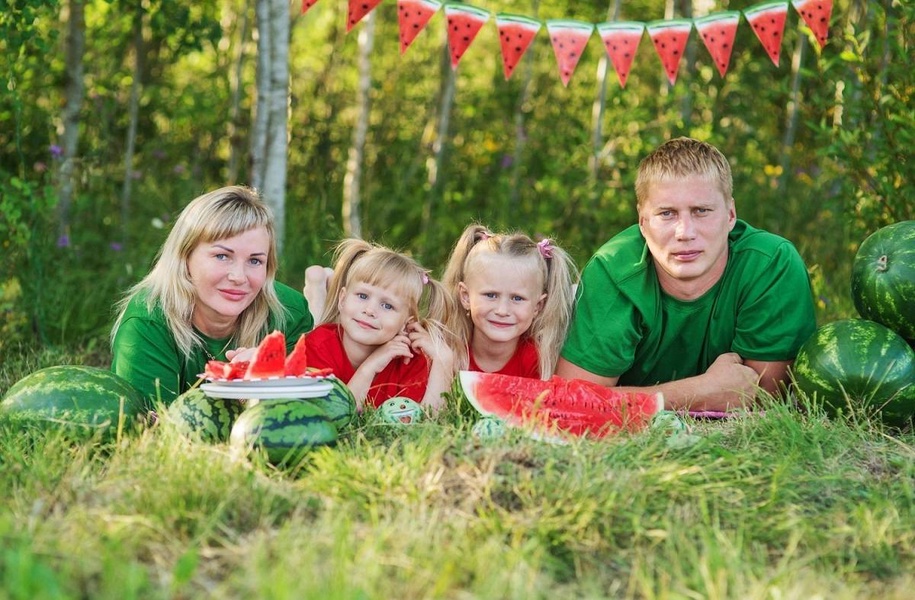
{"x":237,"y":392}
{"x":271,"y":382}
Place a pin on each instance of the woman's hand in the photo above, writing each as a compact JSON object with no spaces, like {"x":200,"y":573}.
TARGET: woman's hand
{"x":240,"y":354}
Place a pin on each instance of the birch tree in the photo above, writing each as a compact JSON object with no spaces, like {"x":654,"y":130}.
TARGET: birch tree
{"x":74,"y":93}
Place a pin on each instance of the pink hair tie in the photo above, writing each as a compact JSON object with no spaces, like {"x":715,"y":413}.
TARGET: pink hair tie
{"x":425,"y":278}
{"x":545,"y":247}
{"x":484,"y":236}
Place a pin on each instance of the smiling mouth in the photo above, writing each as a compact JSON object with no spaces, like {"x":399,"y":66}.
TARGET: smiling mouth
{"x":364,"y":325}
{"x":234,"y":294}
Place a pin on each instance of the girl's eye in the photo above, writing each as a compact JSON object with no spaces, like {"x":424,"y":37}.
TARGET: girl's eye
{"x":362,"y":295}
{"x":490,"y":295}
{"x":518,"y":298}
{"x":387,"y":306}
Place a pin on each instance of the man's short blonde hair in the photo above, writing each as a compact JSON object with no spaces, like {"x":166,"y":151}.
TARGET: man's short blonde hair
{"x":680,"y":158}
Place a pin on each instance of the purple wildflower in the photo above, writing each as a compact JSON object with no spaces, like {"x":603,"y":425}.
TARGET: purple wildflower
{"x":56,"y":151}
{"x":63,"y":241}
{"x":116,"y":246}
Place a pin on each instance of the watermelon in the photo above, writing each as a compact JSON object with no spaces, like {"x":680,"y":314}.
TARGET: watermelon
{"x":816,"y":14}
{"x":285,"y":430}
{"x":858,"y":365}
{"x":718,"y":32}
{"x":412,"y":17}
{"x":669,"y":39}
{"x":488,"y":428}
{"x":572,"y":406}
{"x":306,"y":4}
{"x":296,"y":363}
{"x":569,"y":39}
{"x":621,"y":39}
{"x":883,"y":278}
{"x":195,"y":415}
{"x":464,"y":23}
{"x":515,"y":36}
{"x":400,"y":411}
{"x":79,"y":398}
{"x":768,"y":23}
{"x":217,"y":369}
{"x":269,"y":358}
{"x":339,"y":404}
{"x":356,"y":11}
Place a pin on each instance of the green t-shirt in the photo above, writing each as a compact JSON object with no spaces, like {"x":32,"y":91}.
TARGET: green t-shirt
{"x":625,"y":326}
{"x":145,"y":351}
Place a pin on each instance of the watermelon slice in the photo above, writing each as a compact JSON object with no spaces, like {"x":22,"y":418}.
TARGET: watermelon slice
{"x":217,"y":369}
{"x":412,"y":17}
{"x":816,"y":14}
{"x":768,"y":23}
{"x":269,"y":358}
{"x":569,"y":39}
{"x":464,"y":23}
{"x":515,"y":35}
{"x":557,"y":406}
{"x":296,"y":363}
{"x":621,"y":39}
{"x":306,"y":4}
{"x":669,"y":39}
{"x":718,"y":32}
{"x":356,"y":11}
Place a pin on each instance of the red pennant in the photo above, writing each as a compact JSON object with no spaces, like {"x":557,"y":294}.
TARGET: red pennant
{"x":718,"y":32}
{"x":816,"y":14}
{"x":306,"y":4}
{"x":768,"y":23}
{"x":356,"y":11}
{"x":412,"y":17}
{"x":515,"y":36}
{"x":669,"y":39}
{"x":464,"y":23}
{"x":621,"y":39}
{"x":569,"y":39}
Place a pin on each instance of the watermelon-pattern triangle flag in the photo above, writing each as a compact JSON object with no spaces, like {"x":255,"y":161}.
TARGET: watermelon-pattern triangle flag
{"x":412,"y":17}
{"x":768,"y":23}
{"x":464,"y":23}
{"x":306,"y":4}
{"x":356,"y":11}
{"x":718,"y":32}
{"x":669,"y":39}
{"x":621,"y":39}
{"x":515,"y":36}
{"x":816,"y":14}
{"x":569,"y":39}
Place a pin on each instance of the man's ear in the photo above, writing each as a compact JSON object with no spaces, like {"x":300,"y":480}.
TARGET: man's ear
{"x":464,"y":295}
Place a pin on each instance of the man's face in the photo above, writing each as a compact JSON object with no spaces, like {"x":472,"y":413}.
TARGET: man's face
{"x":686,"y":225}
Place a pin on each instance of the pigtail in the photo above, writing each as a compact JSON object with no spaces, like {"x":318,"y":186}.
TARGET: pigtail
{"x":345,"y":255}
{"x":551,"y":325}
{"x":434,"y":313}
{"x":459,"y":323}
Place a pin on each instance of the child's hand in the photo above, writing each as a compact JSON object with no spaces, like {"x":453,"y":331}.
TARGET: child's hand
{"x":421,"y":341}
{"x":399,"y":346}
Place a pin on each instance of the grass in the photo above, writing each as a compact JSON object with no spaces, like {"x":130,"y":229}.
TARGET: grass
{"x":783,"y":505}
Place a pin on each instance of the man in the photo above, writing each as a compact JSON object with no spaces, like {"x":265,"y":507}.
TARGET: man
{"x":691,"y":302}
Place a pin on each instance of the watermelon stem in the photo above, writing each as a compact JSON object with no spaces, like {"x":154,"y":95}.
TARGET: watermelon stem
{"x":882,"y":262}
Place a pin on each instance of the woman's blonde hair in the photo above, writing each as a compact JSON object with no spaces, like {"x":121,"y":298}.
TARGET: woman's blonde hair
{"x":557,"y":276}
{"x":216,"y":215}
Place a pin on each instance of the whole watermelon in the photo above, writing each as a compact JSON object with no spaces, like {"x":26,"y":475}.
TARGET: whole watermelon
{"x":883,"y":278}
{"x":855,"y":364}
{"x":339,"y":404}
{"x":285,"y":429}
{"x":74,"y":396}
{"x":200,"y":417}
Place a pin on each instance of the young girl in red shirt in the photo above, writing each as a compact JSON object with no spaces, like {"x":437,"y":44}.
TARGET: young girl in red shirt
{"x":382,"y":328}
{"x":517,"y":298}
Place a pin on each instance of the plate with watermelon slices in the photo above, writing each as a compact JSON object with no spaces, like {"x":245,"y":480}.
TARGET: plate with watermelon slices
{"x":240,"y":390}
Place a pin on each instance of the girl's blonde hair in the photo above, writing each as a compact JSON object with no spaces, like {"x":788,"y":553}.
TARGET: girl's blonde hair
{"x":216,"y":215}
{"x":557,"y":275}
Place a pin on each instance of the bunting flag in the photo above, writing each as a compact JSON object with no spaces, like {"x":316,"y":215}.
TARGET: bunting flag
{"x":569,"y":37}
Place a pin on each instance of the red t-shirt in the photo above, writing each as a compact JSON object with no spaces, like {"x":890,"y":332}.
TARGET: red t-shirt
{"x":525,"y":362}
{"x":324,"y":348}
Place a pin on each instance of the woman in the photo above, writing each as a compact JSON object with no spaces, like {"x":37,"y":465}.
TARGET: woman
{"x":211,"y":290}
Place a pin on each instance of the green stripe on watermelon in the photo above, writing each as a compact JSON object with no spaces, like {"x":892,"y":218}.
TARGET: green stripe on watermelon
{"x":816,"y":14}
{"x":718,"y":32}
{"x":199,"y":417}
{"x":621,"y":40}
{"x":569,"y":39}
{"x":669,"y":39}
{"x":768,"y":23}
{"x":285,"y":430}
{"x":339,"y":405}
{"x":412,"y":18}
{"x":356,"y":11}
{"x":515,"y":36}
{"x":464,"y":23}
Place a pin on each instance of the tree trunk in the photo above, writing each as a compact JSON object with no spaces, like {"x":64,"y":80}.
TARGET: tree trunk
{"x":438,"y":147}
{"x":689,"y":59}
{"x":262,"y":78}
{"x":74,"y":93}
{"x":235,"y":125}
{"x":133,"y":116}
{"x":792,"y":112}
{"x":520,"y":133}
{"x":352,"y":199}
{"x":600,"y":103}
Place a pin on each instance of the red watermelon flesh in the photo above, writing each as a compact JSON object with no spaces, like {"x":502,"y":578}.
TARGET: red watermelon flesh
{"x":816,"y":14}
{"x":217,"y":369}
{"x":356,"y":11}
{"x":559,"y":405}
{"x":464,"y":23}
{"x":768,"y":23}
{"x":515,"y":36}
{"x":412,"y":17}
{"x":306,"y":4}
{"x":621,"y":39}
{"x":269,"y":358}
{"x":669,"y":39}
{"x":296,"y":363}
{"x":569,"y":39}
{"x":718,"y":32}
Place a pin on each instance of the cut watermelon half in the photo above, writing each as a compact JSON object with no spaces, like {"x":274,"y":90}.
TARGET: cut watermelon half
{"x":412,"y":17}
{"x":297,"y":361}
{"x":269,"y":358}
{"x":669,"y":39}
{"x":559,"y":406}
{"x":306,"y":4}
{"x":569,"y":39}
{"x":464,"y":23}
{"x":515,"y":36}
{"x":356,"y":11}
{"x":768,"y":23}
{"x":718,"y":32}
{"x":816,"y":13}
{"x":621,"y":39}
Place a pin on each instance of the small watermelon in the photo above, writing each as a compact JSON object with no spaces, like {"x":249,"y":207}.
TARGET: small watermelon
{"x":400,"y":411}
{"x":306,"y":4}
{"x":669,"y":39}
{"x":569,"y":39}
{"x":515,"y":36}
{"x":621,"y":39}
{"x":296,"y":364}
{"x":883,"y":278}
{"x":412,"y":18}
{"x":858,"y":365}
{"x":464,"y":23}
{"x":195,"y":415}
{"x":488,"y":428}
{"x":285,"y":430}
{"x":718,"y":31}
{"x":570,"y":406}
{"x":76,"y":397}
{"x":269,"y":358}
{"x":768,"y":23}
{"x":816,"y":13}
{"x":339,"y":404}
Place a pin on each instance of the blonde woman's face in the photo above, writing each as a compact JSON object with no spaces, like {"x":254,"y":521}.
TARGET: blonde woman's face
{"x":228,"y":275}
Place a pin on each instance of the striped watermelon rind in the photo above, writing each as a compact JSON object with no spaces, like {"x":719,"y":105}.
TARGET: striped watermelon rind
{"x":856,"y":365}
{"x":339,"y":405}
{"x":199,"y":417}
{"x":285,"y":430}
